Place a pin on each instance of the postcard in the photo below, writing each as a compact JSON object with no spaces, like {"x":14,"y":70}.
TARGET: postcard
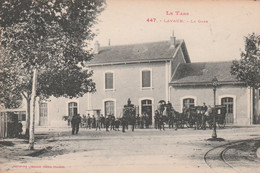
{"x":164,"y":96}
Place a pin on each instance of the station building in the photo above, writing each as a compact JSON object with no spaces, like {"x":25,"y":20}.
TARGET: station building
{"x":147,"y":73}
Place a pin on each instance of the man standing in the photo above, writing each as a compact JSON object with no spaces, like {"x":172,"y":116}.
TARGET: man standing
{"x":112,"y":122}
{"x":76,"y":120}
{"x":117,"y":124}
{"x":107,"y":123}
{"x":156,"y":119}
{"x":123,"y":123}
{"x":93,"y":121}
{"x":89,"y":121}
{"x":98,"y":122}
{"x":133,"y":119}
{"x":102,"y":119}
{"x":203,"y":118}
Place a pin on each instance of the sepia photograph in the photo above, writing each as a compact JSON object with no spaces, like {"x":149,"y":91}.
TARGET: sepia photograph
{"x":129,"y":86}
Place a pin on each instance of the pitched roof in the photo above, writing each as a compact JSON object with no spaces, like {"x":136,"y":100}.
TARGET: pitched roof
{"x":203,"y":73}
{"x":144,"y":52}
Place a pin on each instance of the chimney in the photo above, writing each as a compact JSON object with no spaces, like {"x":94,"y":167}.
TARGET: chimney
{"x":108,"y":42}
{"x":173,"y":40}
{"x":97,"y":47}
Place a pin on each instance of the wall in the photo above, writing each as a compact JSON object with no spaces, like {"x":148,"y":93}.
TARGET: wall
{"x":58,"y":107}
{"x":128,"y":85}
{"x":205,"y":94}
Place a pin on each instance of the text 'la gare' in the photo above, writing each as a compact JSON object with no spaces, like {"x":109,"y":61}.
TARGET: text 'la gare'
{"x":177,"y":13}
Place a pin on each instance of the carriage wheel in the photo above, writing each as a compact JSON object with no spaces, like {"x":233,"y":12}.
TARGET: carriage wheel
{"x":222,"y":124}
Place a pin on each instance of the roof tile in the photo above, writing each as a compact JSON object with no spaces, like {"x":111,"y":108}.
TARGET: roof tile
{"x":136,"y":52}
{"x":203,"y":72}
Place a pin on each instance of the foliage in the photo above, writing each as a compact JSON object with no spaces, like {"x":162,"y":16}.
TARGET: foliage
{"x":51,"y":36}
{"x":247,"y":69}
{"x":10,"y":97}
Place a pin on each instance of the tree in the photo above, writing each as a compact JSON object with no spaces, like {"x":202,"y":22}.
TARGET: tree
{"x":50,"y":39}
{"x":247,"y":69}
{"x":10,"y":96}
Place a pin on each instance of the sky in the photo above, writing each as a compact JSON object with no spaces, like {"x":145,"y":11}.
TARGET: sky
{"x":212,"y":30}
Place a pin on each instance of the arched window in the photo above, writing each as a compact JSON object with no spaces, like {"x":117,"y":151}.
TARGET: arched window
{"x":109,"y":108}
{"x":188,"y":102}
{"x":146,"y":108}
{"x":73,"y":108}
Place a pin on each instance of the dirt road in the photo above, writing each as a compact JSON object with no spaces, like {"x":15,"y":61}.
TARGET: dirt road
{"x":145,"y":150}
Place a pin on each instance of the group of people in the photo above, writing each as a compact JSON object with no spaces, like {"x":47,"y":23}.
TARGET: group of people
{"x":110,"y":122}
{"x":163,"y":115}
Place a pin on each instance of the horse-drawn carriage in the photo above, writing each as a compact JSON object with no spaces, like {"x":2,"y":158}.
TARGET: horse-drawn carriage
{"x":219,"y":112}
{"x":198,"y":117}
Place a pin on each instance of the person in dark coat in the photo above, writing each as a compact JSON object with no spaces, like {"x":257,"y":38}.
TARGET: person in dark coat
{"x":123,"y":123}
{"x":132,"y":121}
{"x":89,"y":121}
{"x":169,"y":105}
{"x":112,"y":122}
{"x":156,"y":119}
{"x":76,"y":120}
{"x":137,"y":123}
{"x":107,"y":123}
{"x":102,"y":119}
{"x":93,"y":121}
{"x":117,"y":123}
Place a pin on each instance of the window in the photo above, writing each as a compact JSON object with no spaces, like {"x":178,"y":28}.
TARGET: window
{"x":109,"y":108}
{"x":147,"y":102}
{"x":109,"y":81}
{"x":188,"y":102}
{"x":43,"y":109}
{"x":73,"y":108}
{"x":146,"y":108}
{"x":228,"y":102}
{"x":146,"y":79}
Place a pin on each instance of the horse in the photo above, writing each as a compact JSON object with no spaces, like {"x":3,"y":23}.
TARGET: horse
{"x":177,"y":119}
{"x":194,"y":117}
{"x":190,"y":116}
{"x":166,"y":115}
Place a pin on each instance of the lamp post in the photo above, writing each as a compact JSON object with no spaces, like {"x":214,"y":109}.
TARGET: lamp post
{"x":214,"y":84}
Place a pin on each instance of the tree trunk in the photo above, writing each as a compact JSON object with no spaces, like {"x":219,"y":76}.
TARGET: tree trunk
{"x":28,"y":118}
{"x":255,"y":106}
{"x":32,"y":113}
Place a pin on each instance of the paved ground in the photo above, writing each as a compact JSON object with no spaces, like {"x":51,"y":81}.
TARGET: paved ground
{"x":145,"y":150}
